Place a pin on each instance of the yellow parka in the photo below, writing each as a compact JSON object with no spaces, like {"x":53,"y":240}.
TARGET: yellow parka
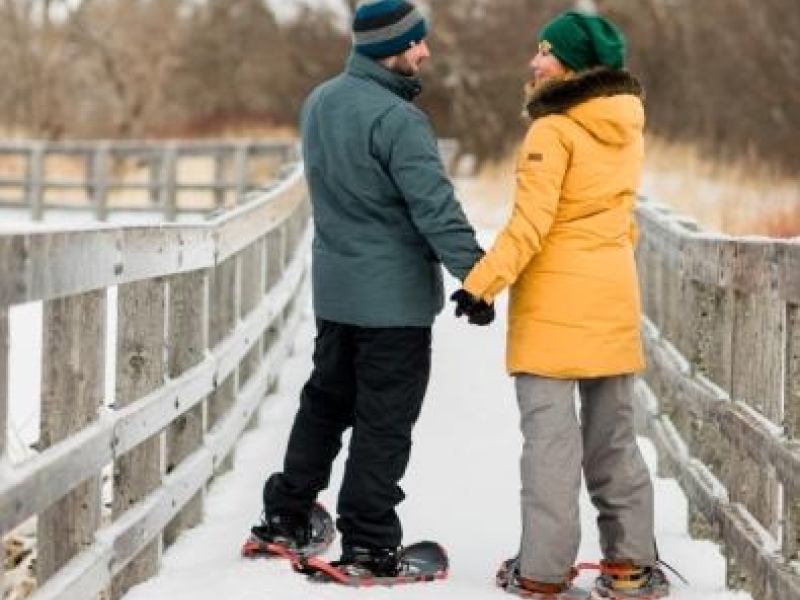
{"x":567,"y":250}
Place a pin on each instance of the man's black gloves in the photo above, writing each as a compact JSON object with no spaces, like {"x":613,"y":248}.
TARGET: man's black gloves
{"x":478,"y":311}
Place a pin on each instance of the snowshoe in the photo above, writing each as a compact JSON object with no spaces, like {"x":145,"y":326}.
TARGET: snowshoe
{"x":281,"y":537}
{"x":623,"y":580}
{"x":359,"y":567}
{"x":509,"y":579}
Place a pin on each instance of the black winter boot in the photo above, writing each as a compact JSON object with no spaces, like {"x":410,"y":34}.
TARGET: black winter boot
{"x":288,"y":530}
{"x":364,"y":562}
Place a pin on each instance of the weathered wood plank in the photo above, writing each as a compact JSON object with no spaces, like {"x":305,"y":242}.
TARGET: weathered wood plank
{"x":167,"y":180}
{"x":239,"y":227}
{"x":72,"y":391}
{"x":100,"y":166}
{"x":41,"y":266}
{"x":4,"y":344}
{"x":790,"y":541}
{"x":788,"y":265}
{"x":791,"y":389}
{"x":791,"y":512}
{"x":186,"y":347}
{"x":252,"y":286}
{"x":222,"y":319}
{"x":219,"y":177}
{"x":140,"y":371}
{"x":241,"y":163}
{"x":276,"y":244}
{"x":721,"y":367}
{"x":757,"y":377}
{"x":758,"y":353}
{"x":275,"y":258}
{"x":35,"y":183}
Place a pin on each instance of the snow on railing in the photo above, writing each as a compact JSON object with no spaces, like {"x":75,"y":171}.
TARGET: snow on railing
{"x":205,"y":315}
{"x":722,"y":334}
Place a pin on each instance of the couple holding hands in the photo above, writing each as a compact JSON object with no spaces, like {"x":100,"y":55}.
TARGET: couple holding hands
{"x":385,"y":221}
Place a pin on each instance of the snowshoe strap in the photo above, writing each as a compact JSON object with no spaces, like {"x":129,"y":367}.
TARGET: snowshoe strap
{"x":624,"y":574}
{"x":673,"y":571}
{"x":530,"y":585}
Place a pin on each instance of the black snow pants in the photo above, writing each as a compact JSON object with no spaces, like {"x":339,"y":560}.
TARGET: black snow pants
{"x":373,"y":380}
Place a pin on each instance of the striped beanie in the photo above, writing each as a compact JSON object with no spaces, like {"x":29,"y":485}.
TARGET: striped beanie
{"x":384,"y":28}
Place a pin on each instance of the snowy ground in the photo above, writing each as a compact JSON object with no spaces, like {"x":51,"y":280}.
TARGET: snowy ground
{"x":462,"y":487}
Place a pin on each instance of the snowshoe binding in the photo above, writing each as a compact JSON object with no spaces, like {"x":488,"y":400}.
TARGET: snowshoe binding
{"x":358,"y":567}
{"x":508,"y":578}
{"x":291,"y":537}
{"x":623,"y":580}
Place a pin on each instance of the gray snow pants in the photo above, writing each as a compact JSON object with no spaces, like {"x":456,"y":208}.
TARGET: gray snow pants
{"x":556,"y":446}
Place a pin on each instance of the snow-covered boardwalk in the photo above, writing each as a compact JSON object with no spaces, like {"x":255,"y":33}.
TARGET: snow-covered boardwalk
{"x":462,"y":487}
{"x":723,"y":342}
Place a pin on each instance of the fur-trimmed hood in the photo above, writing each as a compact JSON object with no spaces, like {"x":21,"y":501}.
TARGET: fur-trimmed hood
{"x":606,"y":102}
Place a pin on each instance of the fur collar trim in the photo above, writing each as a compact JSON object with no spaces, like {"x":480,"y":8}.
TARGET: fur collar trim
{"x":560,"y":96}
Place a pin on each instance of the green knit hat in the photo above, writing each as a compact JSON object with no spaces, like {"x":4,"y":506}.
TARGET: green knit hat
{"x":582,"y":41}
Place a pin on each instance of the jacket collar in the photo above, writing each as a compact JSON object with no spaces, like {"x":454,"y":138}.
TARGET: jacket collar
{"x":407,"y":88}
{"x":562,"y":95}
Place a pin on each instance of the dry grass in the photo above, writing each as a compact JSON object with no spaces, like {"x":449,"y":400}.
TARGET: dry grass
{"x":738,"y":199}
{"x":745,"y":198}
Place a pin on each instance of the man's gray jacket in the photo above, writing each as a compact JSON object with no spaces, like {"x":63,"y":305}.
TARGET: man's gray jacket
{"x":385,"y":214}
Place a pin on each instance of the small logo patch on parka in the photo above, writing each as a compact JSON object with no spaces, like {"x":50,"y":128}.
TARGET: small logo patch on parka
{"x":536,"y":156}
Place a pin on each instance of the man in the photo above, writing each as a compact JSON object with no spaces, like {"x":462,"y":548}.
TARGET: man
{"x":385,"y":216}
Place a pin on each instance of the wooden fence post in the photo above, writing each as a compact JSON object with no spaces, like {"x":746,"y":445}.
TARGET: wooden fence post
{"x":72,"y":390}
{"x":242,"y":171}
{"x":219,"y":179}
{"x":140,"y":370}
{"x":221,"y":322}
{"x":273,"y":266}
{"x":167,"y":182}
{"x":791,"y":513}
{"x":186,"y":347}
{"x":100,"y":164}
{"x":251,"y":291}
{"x":4,"y":344}
{"x":35,"y":187}
{"x":155,"y":167}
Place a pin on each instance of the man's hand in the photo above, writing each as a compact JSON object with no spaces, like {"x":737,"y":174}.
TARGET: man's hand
{"x":478,"y":312}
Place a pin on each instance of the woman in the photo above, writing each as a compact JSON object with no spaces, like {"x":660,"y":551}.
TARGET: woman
{"x":567,"y":255}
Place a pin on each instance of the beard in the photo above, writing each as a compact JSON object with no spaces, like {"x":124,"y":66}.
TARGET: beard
{"x":403,"y":66}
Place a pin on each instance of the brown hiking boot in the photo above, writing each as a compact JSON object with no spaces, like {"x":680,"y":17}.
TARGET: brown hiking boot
{"x":509,"y":578}
{"x":624,"y":580}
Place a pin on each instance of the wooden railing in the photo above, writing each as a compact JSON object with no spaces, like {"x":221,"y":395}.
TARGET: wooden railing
{"x":170,"y":177}
{"x":723,"y":344}
{"x":205,"y":315}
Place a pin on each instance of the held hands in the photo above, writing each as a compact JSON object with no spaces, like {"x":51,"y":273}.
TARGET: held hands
{"x":478,"y":312}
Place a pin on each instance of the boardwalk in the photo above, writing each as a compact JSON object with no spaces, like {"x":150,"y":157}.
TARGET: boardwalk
{"x":710,"y":301}
{"x":462,"y":490}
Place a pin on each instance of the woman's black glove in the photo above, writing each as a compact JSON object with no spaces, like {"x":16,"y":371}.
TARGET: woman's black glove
{"x":478,"y":312}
